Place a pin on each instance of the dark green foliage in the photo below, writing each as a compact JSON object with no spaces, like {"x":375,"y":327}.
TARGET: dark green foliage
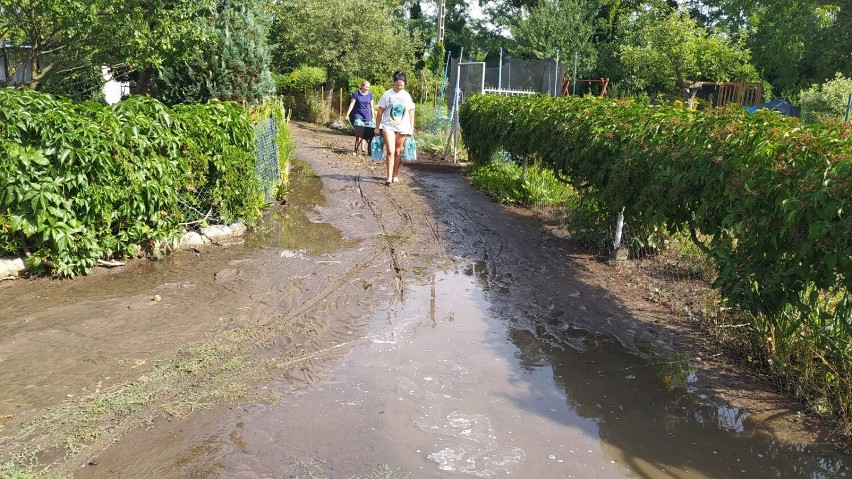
{"x":234,"y":65}
{"x":79,"y":182}
{"x":770,"y":194}
{"x":770,"y":191}
{"x":84,"y":83}
{"x":507,"y":182}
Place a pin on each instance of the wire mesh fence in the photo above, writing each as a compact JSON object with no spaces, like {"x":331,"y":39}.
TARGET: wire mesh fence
{"x":197,"y":204}
{"x":267,"y":165}
{"x":662,"y":268}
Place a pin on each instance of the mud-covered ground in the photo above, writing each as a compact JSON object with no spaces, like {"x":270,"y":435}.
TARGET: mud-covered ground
{"x":133,"y":371}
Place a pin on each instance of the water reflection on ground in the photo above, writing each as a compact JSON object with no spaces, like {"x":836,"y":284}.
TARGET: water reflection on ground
{"x":444,"y":388}
{"x":292,"y":226}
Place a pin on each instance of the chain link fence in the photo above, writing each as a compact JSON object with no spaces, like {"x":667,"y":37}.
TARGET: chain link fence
{"x":267,"y":165}
{"x":660,"y":267}
{"x":197,"y":206}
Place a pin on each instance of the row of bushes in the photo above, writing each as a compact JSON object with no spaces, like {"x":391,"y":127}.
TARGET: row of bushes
{"x":768,"y":197}
{"x":82,"y":181}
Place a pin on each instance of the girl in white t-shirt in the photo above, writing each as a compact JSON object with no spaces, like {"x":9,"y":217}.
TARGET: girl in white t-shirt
{"x":396,"y":115}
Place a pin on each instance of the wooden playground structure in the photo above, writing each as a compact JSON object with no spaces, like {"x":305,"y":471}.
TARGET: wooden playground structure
{"x":567,"y":82}
{"x":741,"y":93}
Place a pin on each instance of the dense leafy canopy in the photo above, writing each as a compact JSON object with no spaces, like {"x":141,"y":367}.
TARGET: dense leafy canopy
{"x":651,"y":46}
{"x":57,"y":37}
{"x":232,"y":65}
{"x":555,"y":26}
{"x":348,"y":38}
{"x":670,"y":47}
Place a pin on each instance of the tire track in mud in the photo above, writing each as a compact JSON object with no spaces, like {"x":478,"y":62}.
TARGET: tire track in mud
{"x":197,"y":384}
{"x":506,"y":267}
{"x":377,"y":212}
{"x":49,"y":439}
{"x":408,"y":230}
{"x":490,"y":254}
{"x":392,"y":251}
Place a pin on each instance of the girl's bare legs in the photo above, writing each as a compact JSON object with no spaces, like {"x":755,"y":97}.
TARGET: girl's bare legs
{"x":391,"y":154}
{"x":400,"y":142}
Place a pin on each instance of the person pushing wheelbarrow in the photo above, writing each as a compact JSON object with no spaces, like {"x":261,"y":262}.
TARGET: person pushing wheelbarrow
{"x":360,"y":115}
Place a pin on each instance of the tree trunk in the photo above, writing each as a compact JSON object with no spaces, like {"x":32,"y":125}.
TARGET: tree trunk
{"x":329,"y":84}
{"x":144,"y":85}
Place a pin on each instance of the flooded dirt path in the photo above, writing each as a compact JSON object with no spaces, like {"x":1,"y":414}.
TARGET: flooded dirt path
{"x":364,"y":331}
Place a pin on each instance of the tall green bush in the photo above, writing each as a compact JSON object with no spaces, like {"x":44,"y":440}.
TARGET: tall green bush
{"x":301,"y":78}
{"x":826,"y":101}
{"x":79,"y":182}
{"x":232,"y":65}
{"x":771,"y":195}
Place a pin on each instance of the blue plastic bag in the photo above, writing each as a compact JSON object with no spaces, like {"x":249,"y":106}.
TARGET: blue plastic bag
{"x":409,"y":149}
{"x":377,"y":148}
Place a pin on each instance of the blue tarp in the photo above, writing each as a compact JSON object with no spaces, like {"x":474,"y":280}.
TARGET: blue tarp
{"x":782,"y":106}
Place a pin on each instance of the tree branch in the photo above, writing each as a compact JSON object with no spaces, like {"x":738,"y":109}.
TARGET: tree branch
{"x":694,"y":236}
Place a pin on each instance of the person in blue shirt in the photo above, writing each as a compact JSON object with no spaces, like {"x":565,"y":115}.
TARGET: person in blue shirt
{"x":361,"y":108}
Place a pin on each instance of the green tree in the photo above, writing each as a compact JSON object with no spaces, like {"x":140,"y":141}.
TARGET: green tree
{"x":794,"y":43}
{"x":234,"y":65}
{"x":140,"y":35}
{"x":564,"y":25}
{"x":48,"y":37}
{"x":62,"y":36}
{"x":670,"y":50}
{"x":322,"y":33}
{"x":797,"y":43}
{"x":826,"y":101}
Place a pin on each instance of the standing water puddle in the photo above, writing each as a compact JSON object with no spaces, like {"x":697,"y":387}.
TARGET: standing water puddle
{"x":444,"y":389}
{"x":291,"y":227}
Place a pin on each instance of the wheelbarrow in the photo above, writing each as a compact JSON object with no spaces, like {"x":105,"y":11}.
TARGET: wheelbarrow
{"x":363,"y":132}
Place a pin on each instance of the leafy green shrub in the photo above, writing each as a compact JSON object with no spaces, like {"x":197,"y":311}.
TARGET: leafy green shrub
{"x":504,"y":180}
{"x":768,"y":196}
{"x":218,"y":147}
{"x":303,"y":77}
{"x":424,"y":116}
{"x":84,"y":181}
{"x":826,"y":101}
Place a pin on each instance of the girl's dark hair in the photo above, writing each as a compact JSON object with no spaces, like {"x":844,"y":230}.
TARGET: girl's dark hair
{"x":399,"y":76}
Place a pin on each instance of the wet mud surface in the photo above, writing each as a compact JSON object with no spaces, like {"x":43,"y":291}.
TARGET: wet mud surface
{"x":417,"y":330}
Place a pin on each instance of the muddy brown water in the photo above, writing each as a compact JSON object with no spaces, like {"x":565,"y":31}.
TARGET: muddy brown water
{"x":364,"y":331}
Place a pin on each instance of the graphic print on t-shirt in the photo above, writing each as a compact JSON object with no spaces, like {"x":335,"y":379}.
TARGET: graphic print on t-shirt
{"x":397,"y":111}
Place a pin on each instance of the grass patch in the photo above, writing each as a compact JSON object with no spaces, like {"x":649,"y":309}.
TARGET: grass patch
{"x":24,"y":465}
{"x":209,"y":371}
{"x":505,"y":181}
{"x":392,"y":240}
{"x":314,"y":468}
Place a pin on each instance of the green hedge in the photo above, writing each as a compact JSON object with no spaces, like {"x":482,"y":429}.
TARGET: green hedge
{"x":772,"y":196}
{"x":83,"y":181}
